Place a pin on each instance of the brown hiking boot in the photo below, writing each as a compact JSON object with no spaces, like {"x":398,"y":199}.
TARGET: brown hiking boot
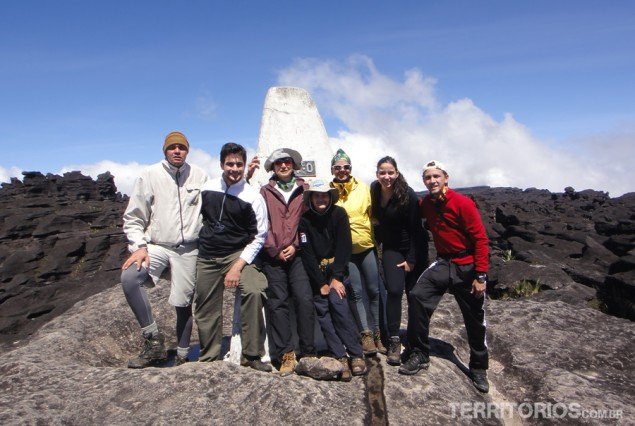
{"x":346,"y":371}
{"x":152,"y":353}
{"x":288,"y":363}
{"x":380,"y":346}
{"x":394,"y":351}
{"x":358,"y":366}
{"x":368,"y":344}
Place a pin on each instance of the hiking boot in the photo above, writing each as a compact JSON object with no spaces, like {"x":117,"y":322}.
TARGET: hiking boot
{"x":380,"y":346}
{"x":479,"y":380}
{"x":368,"y":344}
{"x":415,"y":362}
{"x":288,"y":363}
{"x":358,"y":366}
{"x":180,"y":360}
{"x":256,"y":363}
{"x":346,"y":371}
{"x":394,"y":351}
{"x":152,"y":353}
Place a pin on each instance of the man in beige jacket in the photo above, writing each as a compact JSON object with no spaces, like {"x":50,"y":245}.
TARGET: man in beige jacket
{"x":161,"y":223}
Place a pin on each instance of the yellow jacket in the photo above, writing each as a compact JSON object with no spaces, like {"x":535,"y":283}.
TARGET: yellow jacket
{"x":355,"y":198}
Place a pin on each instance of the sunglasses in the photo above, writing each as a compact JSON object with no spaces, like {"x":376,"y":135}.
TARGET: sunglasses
{"x":281,"y":161}
{"x":344,"y":167}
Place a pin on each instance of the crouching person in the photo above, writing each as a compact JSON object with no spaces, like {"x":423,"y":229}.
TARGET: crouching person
{"x":325,"y":242}
{"x":233,"y":232}
{"x":161,"y":223}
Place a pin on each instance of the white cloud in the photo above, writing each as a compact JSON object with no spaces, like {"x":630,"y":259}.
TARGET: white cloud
{"x":383,"y":116}
{"x":7,"y":174}
{"x":126,"y":173}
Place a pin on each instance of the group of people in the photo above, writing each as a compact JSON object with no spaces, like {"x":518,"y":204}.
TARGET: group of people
{"x":325,"y":246}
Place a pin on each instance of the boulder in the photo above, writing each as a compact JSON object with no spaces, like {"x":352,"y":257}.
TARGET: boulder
{"x":324,"y":368}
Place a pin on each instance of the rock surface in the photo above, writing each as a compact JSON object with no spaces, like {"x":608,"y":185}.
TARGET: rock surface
{"x":553,"y":240}
{"x":547,"y":352}
{"x":60,"y":242}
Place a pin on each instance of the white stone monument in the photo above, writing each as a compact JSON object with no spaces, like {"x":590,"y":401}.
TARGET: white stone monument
{"x":289,"y":119}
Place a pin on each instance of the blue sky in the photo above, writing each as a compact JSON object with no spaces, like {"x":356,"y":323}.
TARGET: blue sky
{"x":84,"y":82}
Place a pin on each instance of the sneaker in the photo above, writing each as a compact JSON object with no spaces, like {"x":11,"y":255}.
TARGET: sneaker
{"x":152,"y":353}
{"x":256,"y":364}
{"x":378,"y":344}
{"x":368,"y":344}
{"x":415,"y":362}
{"x":180,"y":360}
{"x":358,"y":366}
{"x":288,"y":363}
{"x":479,"y":380}
{"x":346,"y":371}
{"x":394,"y":351}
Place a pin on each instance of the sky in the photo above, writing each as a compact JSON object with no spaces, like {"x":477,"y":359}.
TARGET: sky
{"x":523,"y":94}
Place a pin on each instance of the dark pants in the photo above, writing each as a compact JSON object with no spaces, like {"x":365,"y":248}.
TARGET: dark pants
{"x":396,"y":281}
{"x":364,"y":277}
{"x":423,"y":298}
{"x":289,"y":279}
{"x":337,"y":324}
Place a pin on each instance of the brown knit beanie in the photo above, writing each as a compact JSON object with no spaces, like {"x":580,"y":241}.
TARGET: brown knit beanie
{"x":174,"y":138}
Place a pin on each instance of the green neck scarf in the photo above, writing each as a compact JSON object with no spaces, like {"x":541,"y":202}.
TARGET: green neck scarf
{"x":286,"y":187}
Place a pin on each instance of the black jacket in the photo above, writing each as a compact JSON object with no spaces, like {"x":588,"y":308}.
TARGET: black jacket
{"x":397,"y":228}
{"x":324,"y":237}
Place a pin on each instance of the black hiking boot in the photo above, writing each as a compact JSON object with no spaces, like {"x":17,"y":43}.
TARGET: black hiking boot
{"x":479,"y":380}
{"x":152,"y":353}
{"x":416,"y":361}
{"x":180,"y":360}
{"x":393,"y":357}
{"x":256,"y":363}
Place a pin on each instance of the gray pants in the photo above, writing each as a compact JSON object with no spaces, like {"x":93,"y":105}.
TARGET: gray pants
{"x":208,"y":307}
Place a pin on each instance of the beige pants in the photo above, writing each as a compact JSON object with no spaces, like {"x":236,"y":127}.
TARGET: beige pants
{"x":182,"y":263}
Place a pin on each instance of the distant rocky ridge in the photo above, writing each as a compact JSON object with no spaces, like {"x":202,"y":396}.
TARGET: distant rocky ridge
{"x":554,"y":241}
{"x":60,"y":242}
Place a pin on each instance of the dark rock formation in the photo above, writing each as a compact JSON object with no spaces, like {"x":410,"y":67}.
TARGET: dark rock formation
{"x":554,"y":240}
{"x":60,"y":241}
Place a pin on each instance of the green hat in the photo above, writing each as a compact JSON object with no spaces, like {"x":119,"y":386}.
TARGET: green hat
{"x":340,"y":155}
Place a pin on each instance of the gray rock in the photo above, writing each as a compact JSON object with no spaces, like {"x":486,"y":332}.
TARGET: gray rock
{"x":73,"y":369}
{"x":325,"y":368}
{"x":73,"y":372}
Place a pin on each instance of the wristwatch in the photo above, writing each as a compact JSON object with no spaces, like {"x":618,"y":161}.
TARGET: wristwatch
{"x":481,"y":277}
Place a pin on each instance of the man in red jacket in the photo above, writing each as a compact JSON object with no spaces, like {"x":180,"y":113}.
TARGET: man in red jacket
{"x":460,"y":268}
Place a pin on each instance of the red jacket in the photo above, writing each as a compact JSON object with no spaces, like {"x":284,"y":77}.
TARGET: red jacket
{"x":456,"y":226}
{"x":283,"y":218}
